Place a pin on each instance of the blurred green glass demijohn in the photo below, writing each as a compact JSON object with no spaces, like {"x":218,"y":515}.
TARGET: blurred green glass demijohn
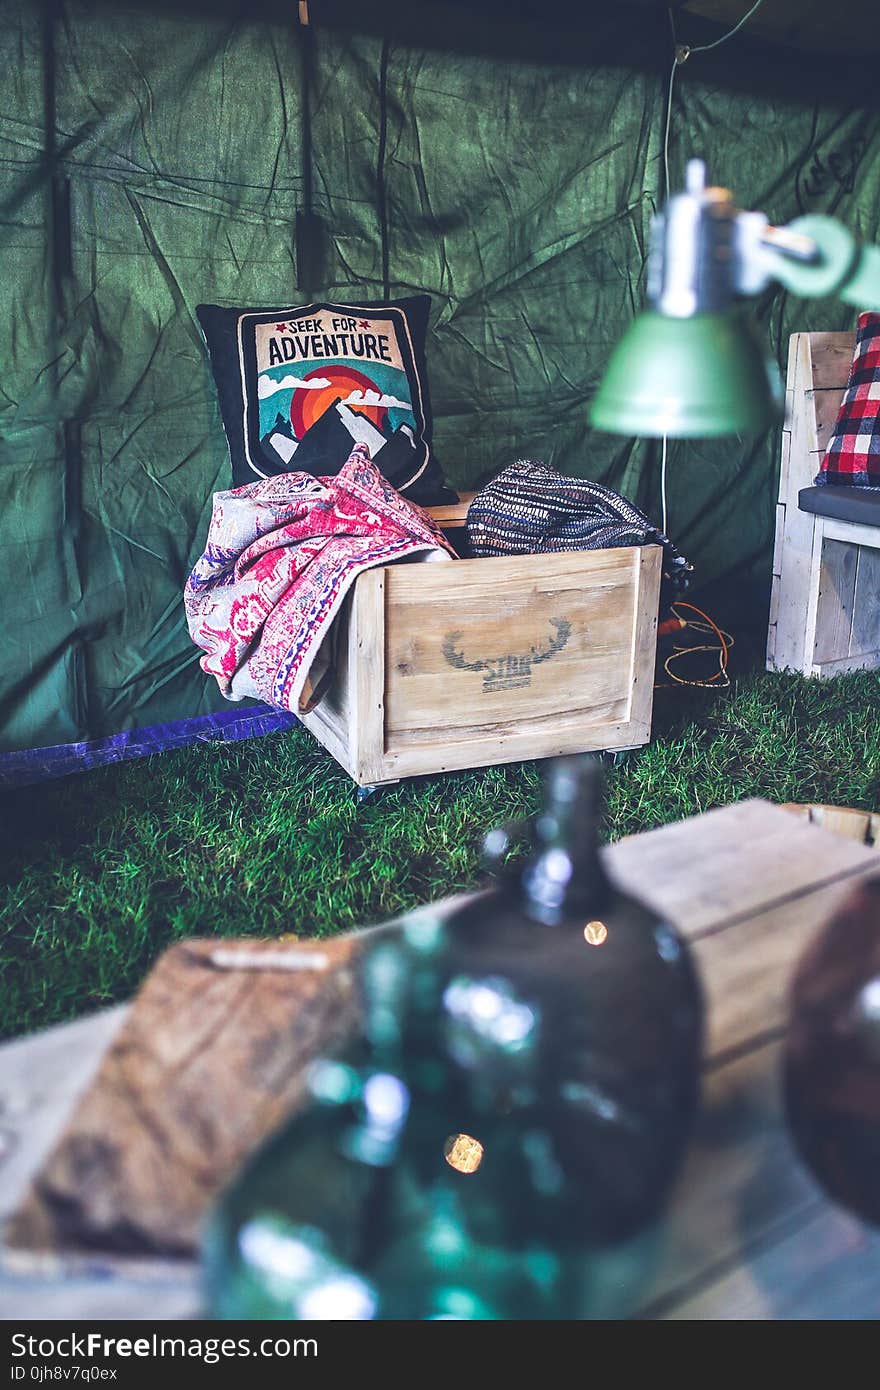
{"x":499,"y":1140}
{"x":696,"y":377}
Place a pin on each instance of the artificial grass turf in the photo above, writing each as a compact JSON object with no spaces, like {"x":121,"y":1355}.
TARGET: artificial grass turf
{"x":100,"y":872}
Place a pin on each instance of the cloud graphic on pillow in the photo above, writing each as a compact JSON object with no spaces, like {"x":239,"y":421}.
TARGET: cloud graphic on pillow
{"x":374,"y":398}
{"x":266,"y":386}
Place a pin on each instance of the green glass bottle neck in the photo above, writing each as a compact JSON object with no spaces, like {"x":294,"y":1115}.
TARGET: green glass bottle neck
{"x":401,"y":986}
{"x":565,"y":880}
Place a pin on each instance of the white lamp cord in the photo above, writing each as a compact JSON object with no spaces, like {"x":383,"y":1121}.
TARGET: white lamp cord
{"x":681,"y":55}
{"x":665,"y":445}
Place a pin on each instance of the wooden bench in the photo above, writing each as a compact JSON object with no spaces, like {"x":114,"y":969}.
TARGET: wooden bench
{"x":825,"y":601}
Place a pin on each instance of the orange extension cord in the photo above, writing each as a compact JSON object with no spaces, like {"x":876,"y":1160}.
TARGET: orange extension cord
{"x":719,"y":679}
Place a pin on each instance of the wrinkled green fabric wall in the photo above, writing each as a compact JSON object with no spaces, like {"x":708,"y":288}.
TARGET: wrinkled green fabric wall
{"x":153,"y":160}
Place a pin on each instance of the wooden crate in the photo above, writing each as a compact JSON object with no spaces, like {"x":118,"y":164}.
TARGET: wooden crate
{"x":492,"y":660}
{"x":863,"y":826}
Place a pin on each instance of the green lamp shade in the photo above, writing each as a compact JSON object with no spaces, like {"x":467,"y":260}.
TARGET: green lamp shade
{"x":688,"y":378}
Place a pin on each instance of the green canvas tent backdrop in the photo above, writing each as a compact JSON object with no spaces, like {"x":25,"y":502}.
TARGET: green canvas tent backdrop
{"x":504,"y":158}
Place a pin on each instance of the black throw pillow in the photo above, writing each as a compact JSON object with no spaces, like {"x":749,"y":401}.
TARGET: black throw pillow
{"x":300,"y":386}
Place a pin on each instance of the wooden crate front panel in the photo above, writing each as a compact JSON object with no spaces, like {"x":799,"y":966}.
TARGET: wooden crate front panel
{"x":517,"y":657}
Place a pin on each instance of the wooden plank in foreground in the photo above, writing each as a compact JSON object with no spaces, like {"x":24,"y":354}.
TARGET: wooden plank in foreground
{"x":207,"y":1063}
{"x":714,"y":869}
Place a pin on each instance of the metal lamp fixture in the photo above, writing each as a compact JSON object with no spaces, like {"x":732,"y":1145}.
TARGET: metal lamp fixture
{"x":691,"y":365}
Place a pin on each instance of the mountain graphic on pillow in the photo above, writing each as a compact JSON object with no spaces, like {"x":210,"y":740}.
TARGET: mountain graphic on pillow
{"x":327,"y":444}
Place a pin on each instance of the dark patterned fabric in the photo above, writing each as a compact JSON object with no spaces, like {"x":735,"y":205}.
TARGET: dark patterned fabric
{"x":529,"y":508}
{"x":853,"y":455}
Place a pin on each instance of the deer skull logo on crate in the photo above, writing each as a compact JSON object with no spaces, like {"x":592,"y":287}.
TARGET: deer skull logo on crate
{"x":509,"y":671}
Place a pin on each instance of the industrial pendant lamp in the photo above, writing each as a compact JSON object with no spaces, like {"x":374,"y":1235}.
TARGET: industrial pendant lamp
{"x":691,"y":365}
{"x":699,"y":376}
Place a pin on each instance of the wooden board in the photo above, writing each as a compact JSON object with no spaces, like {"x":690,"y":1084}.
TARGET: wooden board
{"x":211,"y":1060}
{"x":511,"y":644}
{"x":746,"y":972}
{"x":837,"y":586}
{"x":828,"y":358}
{"x":863,"y":826}
{"x":731,"y":863}
{"x":826,"y":406}
{"x":493,"y":660}
{"x":544,"y":655}
{"x":848,"y":612}
{"x":329,"y":721}
{"x":452,"y":515}
{"x":792,"y":558}
{"x":864,"y":636}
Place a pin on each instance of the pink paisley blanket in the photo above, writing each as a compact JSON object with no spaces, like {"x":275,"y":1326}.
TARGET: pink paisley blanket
{"x":280,"y":557}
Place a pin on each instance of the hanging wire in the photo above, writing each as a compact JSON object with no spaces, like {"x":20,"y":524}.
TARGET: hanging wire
{"x":707,"y":627}
{"x":680,"y":55}
{"x":720,"y":648}
{"x":664,"y":448}
{"x":705,"y":47}
{"x":668,"y":121}
{"x":381,"y":188}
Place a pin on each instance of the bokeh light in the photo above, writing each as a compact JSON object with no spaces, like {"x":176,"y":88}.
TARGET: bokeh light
{"x":463,"y":1153}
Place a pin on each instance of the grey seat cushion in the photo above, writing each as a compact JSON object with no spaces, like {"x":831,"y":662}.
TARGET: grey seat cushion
{"x":860,"y":504}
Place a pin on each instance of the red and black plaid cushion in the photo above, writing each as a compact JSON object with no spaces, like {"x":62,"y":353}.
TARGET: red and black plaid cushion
{"x":853,"y":455}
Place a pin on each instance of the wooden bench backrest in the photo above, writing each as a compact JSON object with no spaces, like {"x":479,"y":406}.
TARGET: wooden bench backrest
{"x":818,"y":368}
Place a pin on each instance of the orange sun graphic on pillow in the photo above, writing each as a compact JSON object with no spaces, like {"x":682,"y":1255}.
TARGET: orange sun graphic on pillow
{"x":308,"y":405}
